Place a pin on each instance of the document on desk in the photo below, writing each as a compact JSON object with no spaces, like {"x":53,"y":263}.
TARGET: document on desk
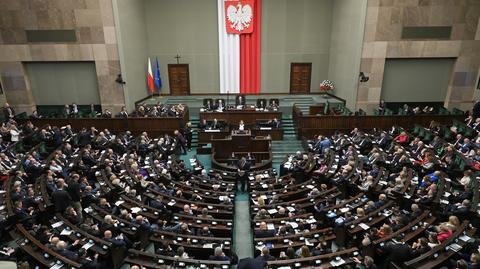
{"x":270,"y":226}
{"x":135,"y":210}
{"x":364,"y":226}
{"x":294,"y":225}
{"x":337,"y":262}
{"x":66,"y":232}
{"x":57,"y":224}
{"x":272,"y":211}
{"x":212,"y":131}
{"x":88,"y":245}
{"x":265,"y":128}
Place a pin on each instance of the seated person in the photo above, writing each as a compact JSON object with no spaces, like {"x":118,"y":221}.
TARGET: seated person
{"x":215,"y":125}
{"x":202,"y":125}
{"x":274,"y":104}
{"x":220,"y":105}
{"x":275,"y":123}
{"x":208,"y":104}
{"x":240,"y":101}
{"x":262,"y":104}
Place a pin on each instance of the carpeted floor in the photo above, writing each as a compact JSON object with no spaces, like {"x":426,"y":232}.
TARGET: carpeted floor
{"x":242,"y":232}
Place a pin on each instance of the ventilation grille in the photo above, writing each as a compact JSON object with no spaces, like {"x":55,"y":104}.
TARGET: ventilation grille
{"x":57,"y":36}
{"x":427,"y":32}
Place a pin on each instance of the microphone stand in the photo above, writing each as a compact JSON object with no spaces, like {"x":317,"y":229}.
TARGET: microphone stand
{"x":228,"y":100}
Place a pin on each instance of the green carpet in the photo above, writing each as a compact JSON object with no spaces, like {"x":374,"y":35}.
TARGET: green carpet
{"x":205,"y":160}
{"x":242,"y":232}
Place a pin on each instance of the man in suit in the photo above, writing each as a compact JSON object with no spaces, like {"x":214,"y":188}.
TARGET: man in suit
{"x":261,"y":104}
{"x":181,"y":141}
{"x":265,"y":255}
{"x":75,"y":194}
{"x":275,"y":123}
{"x":264,"y":231}
{"x":251,"y":263}
{"x":220,"y":105}
{"x":216,"y":125}
{"x":476,"y":109}
{"x":66,"y":111}
{"x":188,"y":133}
{"x":242,"y":179}
{"x":61,"y":198}
{"x":64,"y":251}
{"x":208,"y":105}
{"x":219,"y":255}
{"x":240,"y":101}
{"x":243,"y":165}
{"x":397,"y":252}
{"x":107,"y":114}
{"x":8,"y":112}
{"x":123,"y":113}
{"x":74,"y":110}
{"x":202,"y":125}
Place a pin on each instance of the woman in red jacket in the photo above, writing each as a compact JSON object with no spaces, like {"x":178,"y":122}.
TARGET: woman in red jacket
{"x":444,"y":233}
{"x":401,"y":138}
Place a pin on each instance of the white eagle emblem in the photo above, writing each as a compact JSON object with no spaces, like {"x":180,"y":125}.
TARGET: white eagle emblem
{"x":239,"y":17}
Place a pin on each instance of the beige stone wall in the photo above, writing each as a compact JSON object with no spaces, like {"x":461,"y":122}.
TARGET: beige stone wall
{"x":94,"y":26}
{"x":382,"y":40}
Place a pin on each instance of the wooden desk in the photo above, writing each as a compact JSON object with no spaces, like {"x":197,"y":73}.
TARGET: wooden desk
{"x":154,"y":126}
{"x":309,"y":125}
{"x":233,"y":117}
{"x":276,"y":134}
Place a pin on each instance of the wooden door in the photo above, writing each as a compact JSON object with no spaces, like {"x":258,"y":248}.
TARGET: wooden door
{"x":179,"y":79}
{"x":300,"y":77}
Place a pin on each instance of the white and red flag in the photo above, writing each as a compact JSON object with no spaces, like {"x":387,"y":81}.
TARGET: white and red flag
{"x":150,"y":82}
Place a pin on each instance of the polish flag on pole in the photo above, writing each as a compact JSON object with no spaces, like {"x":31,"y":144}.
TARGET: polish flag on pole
{"x":151,"y":85}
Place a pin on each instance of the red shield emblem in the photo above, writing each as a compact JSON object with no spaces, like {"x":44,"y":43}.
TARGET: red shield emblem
{"x":239,"y":17}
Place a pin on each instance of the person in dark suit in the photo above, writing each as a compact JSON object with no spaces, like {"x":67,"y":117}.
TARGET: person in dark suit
{"x":219,"y":255}
{"x":476,"y":109}
{"x":264,"y":231}
{"x":242,"y":178}
{"x":220,"y":105}
{"x":61,"y":197}
{"x":216,"y":125}
{"x":265,"y":255}
{"x":119,"y":241}
{"x":123,"y":113}
{"x":243,"y":165}
{"x":181,"y":141}
{"x":107,"y":114}
{"x":397,"y":252}
{"x":188,"y":133}
{"x":240,"y":101}
{"x":64,"y":251}
{"x":202,"y":125}
{"x":275,"y":123}
{"x":250,"y":263}
{"x":208,"y":105}
{"x":66,"y":111}
{"x":8,"y":112}
{"x":261,"y":104}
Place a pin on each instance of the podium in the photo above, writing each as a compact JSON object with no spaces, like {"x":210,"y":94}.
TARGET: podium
{"x":239,"y":144}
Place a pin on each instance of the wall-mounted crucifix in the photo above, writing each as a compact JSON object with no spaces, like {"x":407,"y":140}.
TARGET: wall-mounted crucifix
{"x":178,"y":58}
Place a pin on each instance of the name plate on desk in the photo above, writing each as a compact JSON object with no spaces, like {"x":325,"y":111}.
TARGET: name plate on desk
{"x":212,"y":131}
{"x":266,"y":128}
